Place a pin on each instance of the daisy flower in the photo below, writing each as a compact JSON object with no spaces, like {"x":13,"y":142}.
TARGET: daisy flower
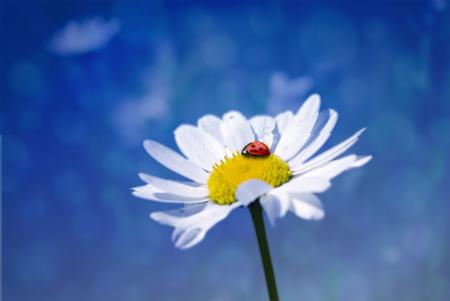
{"x":232,"y":162}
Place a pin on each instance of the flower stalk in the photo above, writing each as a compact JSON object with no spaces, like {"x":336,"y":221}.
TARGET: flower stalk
{"x":258,"y":223}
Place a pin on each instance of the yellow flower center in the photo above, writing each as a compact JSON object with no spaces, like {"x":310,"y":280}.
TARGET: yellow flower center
{"x":226,"y":176}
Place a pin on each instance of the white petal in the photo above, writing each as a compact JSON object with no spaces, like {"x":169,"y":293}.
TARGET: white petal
{"x":211,"y":125}
{"x":319,"y":135}
{"x":181,"y":217}
{"x":307,"y":206}
{"x":361,"y":160}
{"x":276,"y":204}
{"x":272,"y":207}
{"x":176,"y":187}
{"x":250,"y":190}
{"x":283,"y":120}
{"x":150,"y":192}
{"x":334,"y":168}
{"x":284,"y":200}
{"x":199,"y":146}
{"x":236,"y":131}
{"x":192,"y":224}
{"x":263,"y":127}
{"x":302,"y":184}
{"x":299,"y":129}
{"x":175,"y":161}
{"x":327,"y":155}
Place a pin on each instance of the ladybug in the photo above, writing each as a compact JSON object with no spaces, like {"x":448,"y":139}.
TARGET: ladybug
{"x":256,"y":149}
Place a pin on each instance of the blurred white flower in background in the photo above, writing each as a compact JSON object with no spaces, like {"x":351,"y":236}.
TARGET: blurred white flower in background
{"x":285,"y":92}
{"x":84,"y":36}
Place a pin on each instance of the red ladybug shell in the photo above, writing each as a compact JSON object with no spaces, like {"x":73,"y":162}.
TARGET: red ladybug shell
{"x":256,"y":149}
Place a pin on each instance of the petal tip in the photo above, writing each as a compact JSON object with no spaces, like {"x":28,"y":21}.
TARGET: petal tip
{"x":156,"y":216}
{"x":149,"y":145}
{"x":315,"y":96}
{"x":362,"y":131}
{"x":318,"y":216}
{"x":360,"y":161}
{"x":333,"y":113}
{"x":313,"y":100}
{"x":143,"y":176}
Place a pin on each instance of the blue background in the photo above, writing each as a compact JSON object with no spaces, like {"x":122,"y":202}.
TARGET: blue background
{"x":73,"y":127}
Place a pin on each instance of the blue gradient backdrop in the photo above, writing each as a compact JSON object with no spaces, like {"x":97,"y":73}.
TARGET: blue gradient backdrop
{"x":73,"y":126}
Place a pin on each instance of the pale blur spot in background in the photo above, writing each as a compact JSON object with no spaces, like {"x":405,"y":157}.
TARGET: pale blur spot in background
{"x":83,"y":36}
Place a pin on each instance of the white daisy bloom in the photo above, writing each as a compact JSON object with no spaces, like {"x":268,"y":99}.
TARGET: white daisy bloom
{"x":231,"y":162}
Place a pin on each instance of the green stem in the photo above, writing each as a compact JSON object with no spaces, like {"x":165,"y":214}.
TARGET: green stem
{"x":258,"y":223}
